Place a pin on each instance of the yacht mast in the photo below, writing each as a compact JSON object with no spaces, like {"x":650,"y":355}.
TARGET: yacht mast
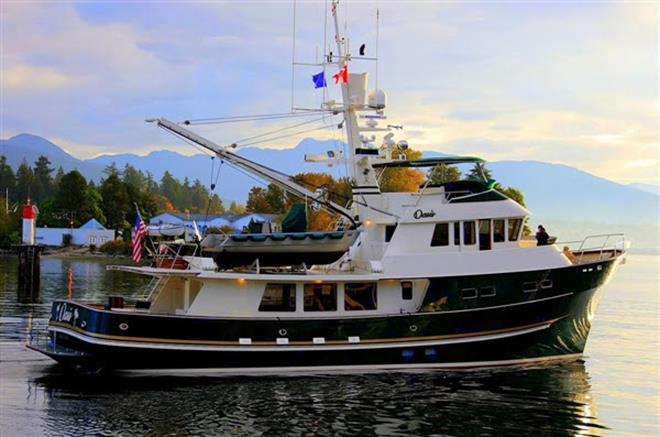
{"x":362,"y":174}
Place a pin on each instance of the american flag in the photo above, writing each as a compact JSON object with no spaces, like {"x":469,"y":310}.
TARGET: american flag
{"x":139,"y":230}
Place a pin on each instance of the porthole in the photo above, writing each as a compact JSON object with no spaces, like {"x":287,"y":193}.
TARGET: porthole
{"x":282,"y":332}
{"x":488,"y":291}
{"x":546,"y":283}
{"x":123,"y":326}
{"x":413,"y":328}
{"x":469,"y":293}
{"x":530,"y":287}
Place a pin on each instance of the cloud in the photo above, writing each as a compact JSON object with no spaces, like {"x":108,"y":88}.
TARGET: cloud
{"x":574,"y":83}
{"x":35,"y":79}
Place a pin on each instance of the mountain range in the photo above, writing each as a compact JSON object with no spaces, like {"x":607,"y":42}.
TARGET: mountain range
{"x":553,"y":192}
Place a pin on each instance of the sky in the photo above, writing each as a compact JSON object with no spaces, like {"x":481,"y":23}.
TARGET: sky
{"x":565,"y":82}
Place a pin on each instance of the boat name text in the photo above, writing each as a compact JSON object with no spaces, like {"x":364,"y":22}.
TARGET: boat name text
{"x":423,"y":214}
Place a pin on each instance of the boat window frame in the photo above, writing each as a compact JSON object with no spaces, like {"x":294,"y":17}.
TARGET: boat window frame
{"x":473,"y":293}
{"x":516,"y":235}
{"x":405,"y":287}
{"x":492,"y":291}
{"x":293,"y":289}
{"x":494,"y":229}
{"x":465,"y":226}
{"x":529,"y":289}
{"x":545,"y":284}
{"x":373,"y":291}
{"x":435,"y":242}
{"x":457,"y":233}
{"x":335,"y":291}
{"x":488,"y":242}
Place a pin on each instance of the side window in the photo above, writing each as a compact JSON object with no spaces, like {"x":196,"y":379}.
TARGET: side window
{"x":389,"y":231}
{"x":530,"y":287}
{"x":469,"y":293}
{"x":488,"y":291}
{"x":440,"y":235}
{"x":498,"y":231}
{"x":457,"y":234}
{"x":469,"y":237}
{"x":407,"y":290}
{"x":320,"y":297}
{"x":484,"y":234}
{"x":278,"y":297}
{"x":514,"y":229}
{"x":360,"y":296}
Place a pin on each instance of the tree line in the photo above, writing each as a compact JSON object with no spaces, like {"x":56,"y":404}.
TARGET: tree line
{"x":69,"y":199}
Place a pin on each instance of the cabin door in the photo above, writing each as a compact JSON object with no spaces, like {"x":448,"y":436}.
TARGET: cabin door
{"x":484,"y":234}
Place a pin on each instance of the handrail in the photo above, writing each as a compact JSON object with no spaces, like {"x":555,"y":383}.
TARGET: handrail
{"x":618,"y":246}
{"x":467,"y":196}
{"x":176,"y":255}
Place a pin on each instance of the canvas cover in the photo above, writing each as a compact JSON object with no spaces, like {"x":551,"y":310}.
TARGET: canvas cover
{"x":296,"y":219}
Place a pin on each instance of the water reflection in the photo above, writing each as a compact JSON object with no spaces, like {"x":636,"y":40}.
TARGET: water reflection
{"x":91,"y":281}
{"x":551,"y":400}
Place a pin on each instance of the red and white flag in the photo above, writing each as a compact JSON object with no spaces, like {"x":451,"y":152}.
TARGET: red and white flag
{"x":139,"y":231}
{"x":342,"y":75}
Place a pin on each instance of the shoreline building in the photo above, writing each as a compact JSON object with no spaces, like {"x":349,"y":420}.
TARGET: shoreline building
{"x":89,"y":233}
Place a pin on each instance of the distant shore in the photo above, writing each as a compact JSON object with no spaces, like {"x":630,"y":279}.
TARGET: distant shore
{"x":81,"y":253}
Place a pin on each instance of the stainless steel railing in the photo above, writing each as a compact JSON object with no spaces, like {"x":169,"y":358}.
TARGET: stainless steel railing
{"x":614,"y":243}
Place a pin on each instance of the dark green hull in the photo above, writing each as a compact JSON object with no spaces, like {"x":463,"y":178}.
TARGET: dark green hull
{"x":513,"y":326}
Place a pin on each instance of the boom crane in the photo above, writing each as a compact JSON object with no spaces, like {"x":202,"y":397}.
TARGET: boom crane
{"x":280,"y":179}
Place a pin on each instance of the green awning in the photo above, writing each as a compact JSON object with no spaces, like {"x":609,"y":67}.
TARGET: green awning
{"x":429,"y":162}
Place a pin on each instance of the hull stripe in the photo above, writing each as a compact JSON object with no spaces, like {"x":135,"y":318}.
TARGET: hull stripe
{"x":467,"y":365}
{"x":134,"y":342}
{"x":365,"y":316}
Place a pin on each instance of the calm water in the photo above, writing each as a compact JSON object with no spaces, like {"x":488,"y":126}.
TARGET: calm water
{"x":614,"y":391}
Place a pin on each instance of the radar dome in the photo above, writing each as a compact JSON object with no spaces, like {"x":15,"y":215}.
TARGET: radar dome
{"x":377,"y":99}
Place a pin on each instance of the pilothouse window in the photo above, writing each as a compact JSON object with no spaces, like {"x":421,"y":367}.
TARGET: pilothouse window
{"x":498,"y":231}
{"x":514,"y":229}
{"x":440,"y":235}
{"x":278,"y":297}
{"x":484,"y":234}
{"x":469,"y":233}
{"x":320,"y":297}
{"x":360,"y":296}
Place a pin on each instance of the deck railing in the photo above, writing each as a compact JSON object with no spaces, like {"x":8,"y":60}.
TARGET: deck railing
{"x":167,"y":257}
{"x":602,"y":244}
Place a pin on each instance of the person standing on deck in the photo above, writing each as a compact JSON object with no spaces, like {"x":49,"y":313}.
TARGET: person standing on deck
{"x":541,"y":236}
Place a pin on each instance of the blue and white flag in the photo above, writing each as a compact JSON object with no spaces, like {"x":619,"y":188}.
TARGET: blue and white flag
{"x":319,"y":80}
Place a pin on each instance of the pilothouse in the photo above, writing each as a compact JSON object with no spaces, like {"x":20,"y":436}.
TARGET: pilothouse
{"x":440,"y":277}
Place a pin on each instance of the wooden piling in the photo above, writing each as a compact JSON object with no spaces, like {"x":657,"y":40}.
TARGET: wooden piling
{"x":29,"y":257}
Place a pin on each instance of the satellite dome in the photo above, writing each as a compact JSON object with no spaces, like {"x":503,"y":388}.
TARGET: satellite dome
{"x":377,"y":99}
